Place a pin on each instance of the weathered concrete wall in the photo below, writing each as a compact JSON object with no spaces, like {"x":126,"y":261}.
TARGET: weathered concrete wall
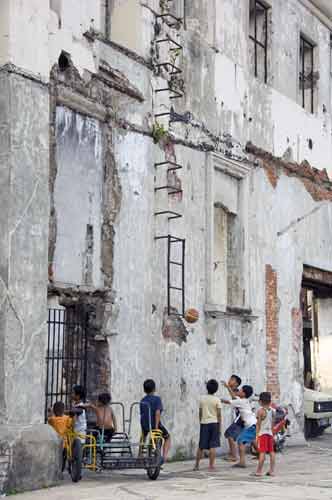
{"x":79,"y":158}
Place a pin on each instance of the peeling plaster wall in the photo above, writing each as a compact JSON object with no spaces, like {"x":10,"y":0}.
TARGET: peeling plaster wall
{"x":279,"y":238}
{"x":223,"y":107}
{"x":232,"y":101}
{"x":78,"y":199}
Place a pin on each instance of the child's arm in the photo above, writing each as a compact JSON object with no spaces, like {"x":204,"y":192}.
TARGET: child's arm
{"x":260,"y":418}
{"x":219,"y":419}
{"x":115,"y":424}
{"x":231,"y":392}
{"x":157,"y":418}
{"x":225,"y":401}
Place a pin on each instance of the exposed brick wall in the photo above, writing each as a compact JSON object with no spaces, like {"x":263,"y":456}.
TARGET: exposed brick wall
{"x":272,"y":332}
{"x":316,"y":181}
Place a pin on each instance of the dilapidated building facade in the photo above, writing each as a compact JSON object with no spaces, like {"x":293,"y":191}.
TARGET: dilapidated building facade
{"x":159,"y":155}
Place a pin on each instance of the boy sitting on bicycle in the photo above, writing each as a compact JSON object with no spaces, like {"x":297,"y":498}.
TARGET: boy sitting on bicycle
{"x":60,"y":422}
{"x":151,"y":408}
{"x":106,"y":423}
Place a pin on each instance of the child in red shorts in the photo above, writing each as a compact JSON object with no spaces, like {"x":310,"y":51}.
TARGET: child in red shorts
{"x":264,"y":434}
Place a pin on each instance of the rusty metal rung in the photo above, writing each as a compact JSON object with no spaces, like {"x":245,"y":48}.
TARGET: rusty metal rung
{"x":173,"y":215}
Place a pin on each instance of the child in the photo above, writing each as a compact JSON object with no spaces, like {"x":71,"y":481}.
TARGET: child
{"x":210,"y":425}
{"x":106,"y":421}
{"x":151,"y":419}
{"x":233,"y":431}
{"x":80,"y":423}
{"x":60,"y":422}
{"x":248,"y":433}
{"x":265,"y":442}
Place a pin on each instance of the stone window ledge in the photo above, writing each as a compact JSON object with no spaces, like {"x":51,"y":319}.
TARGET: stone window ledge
{"x":217,"y":311}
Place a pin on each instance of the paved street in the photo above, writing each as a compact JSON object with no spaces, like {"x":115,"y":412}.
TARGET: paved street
{"x":303,"y":473}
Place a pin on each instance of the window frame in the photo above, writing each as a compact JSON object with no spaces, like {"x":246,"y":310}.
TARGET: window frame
{"x":256,"y":42}
{"x":306,"y":43}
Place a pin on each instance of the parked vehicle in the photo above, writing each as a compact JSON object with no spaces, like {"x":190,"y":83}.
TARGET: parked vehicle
{"x":281,"y":424}
{"x":317,"y":412}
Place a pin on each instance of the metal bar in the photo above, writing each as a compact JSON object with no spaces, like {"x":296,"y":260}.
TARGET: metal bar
{"x":168,"y":274}
{"x":176,"y":263}
{"x":179,"y":288}
{"x":169,"y":39}
{"x":312,"y":79}
{"x":62,"y":362}
{"x":262,"y":45}
{"x":173,"y":190}
{"x":265,"y":49}
{"x":52,"y":376}
{"x":175,"y":69}
{"x":47,"y":367}
{"x":177,"y":94}
{"x":161,"y":114}
{"x":174,"y":215}
{"x":57,"y":357}
{"x":177,"y":19}
{"x":85,"y":351}
{"x":255,"y":17}
{"x":177,"y":165}
{"x":183,"y":276}
{"x":303,"y":93}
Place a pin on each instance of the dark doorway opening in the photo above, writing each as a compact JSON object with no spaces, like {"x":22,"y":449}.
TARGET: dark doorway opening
{"x":66,"y":357}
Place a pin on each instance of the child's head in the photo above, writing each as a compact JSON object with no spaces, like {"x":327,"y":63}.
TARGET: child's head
{"x":58,"y":409}
{"x":149,"y":386}
{"x":104,"y":398}
{"x":246,"y":391}
{"x":265,"y":398}
{"x":78,"y":393}
{"x":212,"y":386}
{"x":234,"y":382}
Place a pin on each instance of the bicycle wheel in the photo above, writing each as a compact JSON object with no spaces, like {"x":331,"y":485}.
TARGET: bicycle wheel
{"x":153,"y":472}
{"x":76,"y":462}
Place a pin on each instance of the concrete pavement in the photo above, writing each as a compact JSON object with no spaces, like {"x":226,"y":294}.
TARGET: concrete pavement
{"x":302,"y":473}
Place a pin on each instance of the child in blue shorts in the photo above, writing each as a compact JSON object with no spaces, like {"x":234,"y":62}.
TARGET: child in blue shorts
{"x":248,"y":434}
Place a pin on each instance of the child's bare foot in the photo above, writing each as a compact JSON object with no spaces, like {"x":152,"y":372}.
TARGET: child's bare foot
{"x":196,"y":468}
{"x":256,"y":474}
{"x":211,"y":468}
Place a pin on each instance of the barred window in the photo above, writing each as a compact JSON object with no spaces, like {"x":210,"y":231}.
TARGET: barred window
{"x":306,"y":76}
{"x":258,"y":35}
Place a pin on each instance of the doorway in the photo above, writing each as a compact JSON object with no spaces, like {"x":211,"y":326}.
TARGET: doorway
{"x":66,"y":356}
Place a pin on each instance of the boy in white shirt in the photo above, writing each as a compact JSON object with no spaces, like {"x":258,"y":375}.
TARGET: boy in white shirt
{"x":241,"y":402}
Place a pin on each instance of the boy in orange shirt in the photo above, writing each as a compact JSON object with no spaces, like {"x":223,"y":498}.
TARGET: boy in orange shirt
{"x":60,"y":422}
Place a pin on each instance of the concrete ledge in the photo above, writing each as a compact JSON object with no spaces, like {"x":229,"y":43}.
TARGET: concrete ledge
{"x":30,"y":457}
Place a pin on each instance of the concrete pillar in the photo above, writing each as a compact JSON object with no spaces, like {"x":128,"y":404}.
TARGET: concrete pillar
{"x":29,"y":449}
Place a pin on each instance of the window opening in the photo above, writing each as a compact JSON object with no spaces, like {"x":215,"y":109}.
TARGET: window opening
{"x":258,"y":33}
{"x":306,"y":78}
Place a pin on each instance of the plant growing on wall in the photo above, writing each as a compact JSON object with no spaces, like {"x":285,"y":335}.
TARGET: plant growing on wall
{"x":174,"y":54}
{"x":158,"y":132}
{"x":164,"y":6}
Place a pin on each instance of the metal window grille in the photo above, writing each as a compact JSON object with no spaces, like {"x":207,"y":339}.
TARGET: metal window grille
{"x":66,"y":357}
{"x":259,"y":37}
{"x":306,"y":78}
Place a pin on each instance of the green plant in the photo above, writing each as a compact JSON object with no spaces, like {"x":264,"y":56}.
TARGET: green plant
{"x":11,"y":492}
{"x":158,"y":132}
{"x":164,"y":7}
{"x":174,"y":54}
